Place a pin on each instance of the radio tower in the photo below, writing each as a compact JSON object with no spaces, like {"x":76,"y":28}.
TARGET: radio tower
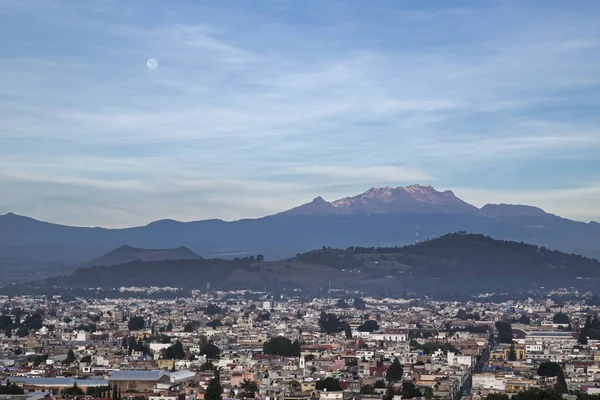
{"x":417,"y":233}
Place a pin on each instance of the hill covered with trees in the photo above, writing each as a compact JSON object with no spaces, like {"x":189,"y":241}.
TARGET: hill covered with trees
{"x":465,"y":260}
{"x":454,"y":263}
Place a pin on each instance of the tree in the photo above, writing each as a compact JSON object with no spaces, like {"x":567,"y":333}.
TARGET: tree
{"x":169,"y":327}
{"x":367,"y":389}
{"x":72,"y":391}
{"x":250,"y":388}
{"x":561,"y":383}
{"x":379,"y":384}
{"x":512,"y":354}
{"x":359,"y":304}
{"x":191,"y":326}
{"x":329,"y":384}
{"x":282,"y":346}
{"x":331,"y":323}
{"x":341,"y":303}
{"x":260,"y":257}
{"x":202,"y":341}
{"x":504,"y":332}
{"x":6,"y":322}
{"x":395,"y":371}
{"x":549,"y":369}
{"x":174,"y":352}
{"x":210,"y":351}
{"x":115,"y":394}
{"x":525,"y":320}
{"x":213,"y":309}
{"x":164,"y":339}
{"x":70,"y":357}
{"x":214,"y":323}
{"x":214,"y":391}
{"x":409,"y":390}
{"x":390,"y":393}
{"x":552,"y":369}
{"x":96,"y":391}
{"x":497,"y":396}
{"x":561,"y":318}
{"x":264,"y":316}
{"x":582,"y":337}
{"x":428,"y":393}
{"x":23,"y":331}
{"x":136,"y":323}
{"x":10,"y":388}
{"x":348,"y":332}
{"x":369,"y":326}
{"x":207,"y":366}
{"x":296,"y":348}
{"x":537,"y":394}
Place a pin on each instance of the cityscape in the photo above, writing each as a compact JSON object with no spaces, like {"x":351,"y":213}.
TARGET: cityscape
{"x":299,"y":200}
{"x":243,"y":344}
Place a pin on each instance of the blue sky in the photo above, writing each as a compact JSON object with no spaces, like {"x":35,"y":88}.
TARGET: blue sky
{"x":256,"y":107}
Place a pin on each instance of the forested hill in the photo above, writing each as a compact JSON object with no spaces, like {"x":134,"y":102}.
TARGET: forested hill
{"x":455,"y":263}
{"x":470,"y":258}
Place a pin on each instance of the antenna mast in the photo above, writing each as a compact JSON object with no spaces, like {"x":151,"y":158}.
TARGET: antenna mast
{"x":417,"y":233}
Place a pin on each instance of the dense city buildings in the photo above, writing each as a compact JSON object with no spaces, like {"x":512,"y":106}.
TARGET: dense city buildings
{"x":290,"y":347}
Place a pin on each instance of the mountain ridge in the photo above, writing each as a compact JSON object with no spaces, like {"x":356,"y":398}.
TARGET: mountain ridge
{"x":459,"y":262}
{"x":125,"y":254}
{"x":512,"y":210}
{"x":376,"y":217}
{"x":414,"y":198}
{"x":387,"y":200}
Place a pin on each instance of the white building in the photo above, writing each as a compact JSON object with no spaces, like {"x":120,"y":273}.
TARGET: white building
{"x":457,"y":359}
{"x":381,"y":336}
{"x":489,"y":382}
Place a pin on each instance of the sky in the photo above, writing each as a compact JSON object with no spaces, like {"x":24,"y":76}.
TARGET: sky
{"x":256,"y":107}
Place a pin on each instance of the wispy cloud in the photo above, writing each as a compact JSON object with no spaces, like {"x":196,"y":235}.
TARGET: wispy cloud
{"x":324,"y":99}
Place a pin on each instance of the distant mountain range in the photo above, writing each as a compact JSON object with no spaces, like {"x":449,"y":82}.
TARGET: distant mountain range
{"x":126,"y":254}
{"x":454,"y":263}
{"x":387,"y":200}
{"x":379,"y":217}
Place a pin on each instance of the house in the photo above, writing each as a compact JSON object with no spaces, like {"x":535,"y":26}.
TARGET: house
{"x":138,"y":381}
{"x":55,"y":385}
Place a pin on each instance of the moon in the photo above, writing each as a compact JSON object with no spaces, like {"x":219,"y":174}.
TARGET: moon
{"x":152,"y":63}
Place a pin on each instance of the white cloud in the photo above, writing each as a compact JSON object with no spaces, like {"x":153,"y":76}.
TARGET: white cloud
{"x":364,"y":175}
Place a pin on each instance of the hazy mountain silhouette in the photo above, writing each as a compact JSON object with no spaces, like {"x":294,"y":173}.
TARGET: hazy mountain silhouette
{"x":462,"y":263}
{"x":378,"y":217}
{"x":126,"y":254}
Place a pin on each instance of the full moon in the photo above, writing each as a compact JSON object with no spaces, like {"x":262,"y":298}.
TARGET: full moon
{"x":152,"y":63}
